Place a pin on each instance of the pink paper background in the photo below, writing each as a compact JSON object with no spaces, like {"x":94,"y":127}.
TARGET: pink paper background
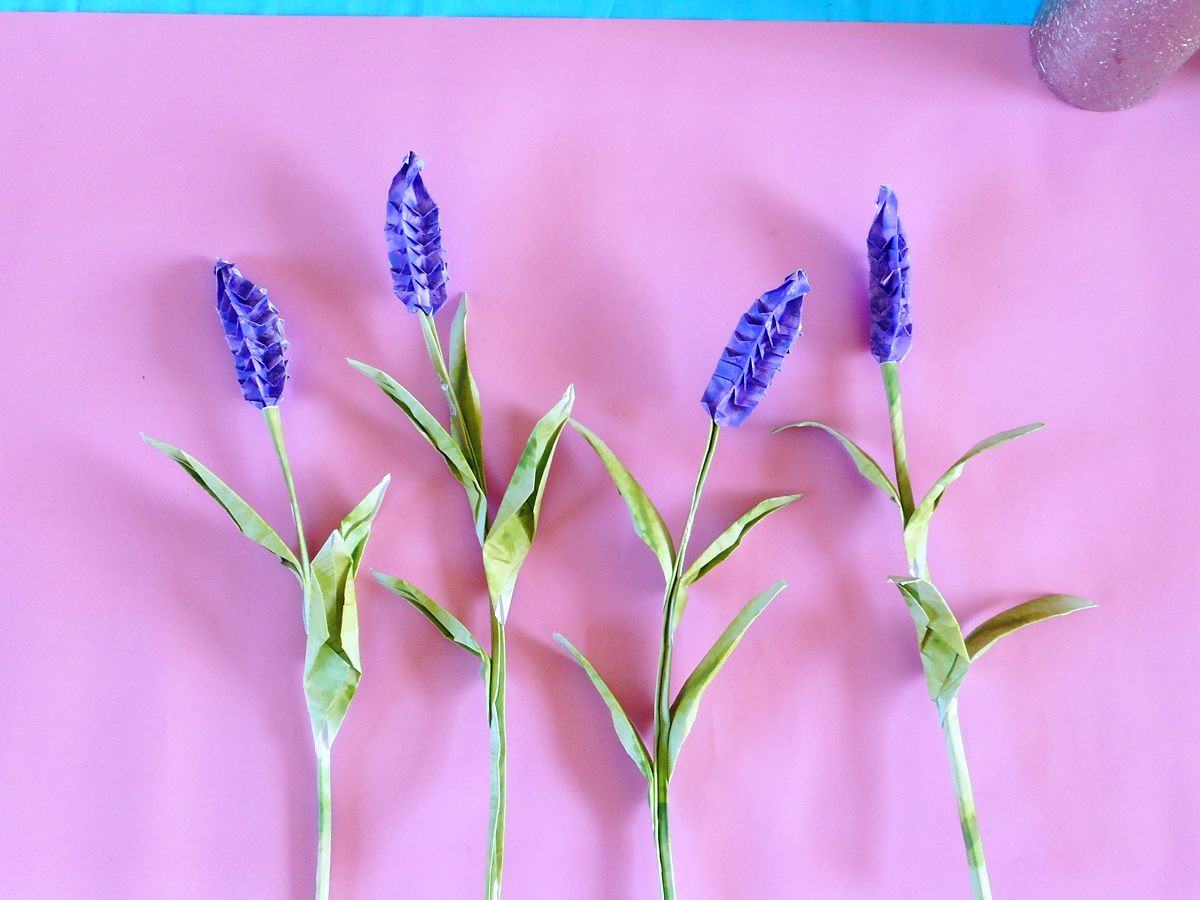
{"x":613,"y":195}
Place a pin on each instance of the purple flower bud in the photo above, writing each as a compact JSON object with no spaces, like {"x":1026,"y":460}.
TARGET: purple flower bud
{"x":887,"y":256}
{"x":414,"y":240}
{"x":755,"y":352}
{"x":254,"y":333}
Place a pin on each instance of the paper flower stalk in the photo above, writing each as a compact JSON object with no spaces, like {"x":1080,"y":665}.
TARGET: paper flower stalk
{"x":332,"y":668}
{"x":752,"y":358}
{"x":414,"y":236}
{"x":946,"y":653}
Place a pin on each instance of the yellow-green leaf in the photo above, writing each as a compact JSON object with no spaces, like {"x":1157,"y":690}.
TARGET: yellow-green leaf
{"x":626,"y":733}
{"x":1016,"y":618}
{"x":943,"y":653}
{"x":648,"y":524}
{"x":249,"y":522}
{"x":511,"y":535}
{"x":863,"y":461}
{"x":687,"y":701}
{"x":437,"y":436}
{"x":445,"y":621}
{"x":466,"y":394}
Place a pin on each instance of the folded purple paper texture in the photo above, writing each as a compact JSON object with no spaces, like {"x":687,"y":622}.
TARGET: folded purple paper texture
{"x":755,"y":352}
{"x":414,"y":240}
{"x":254,"y":332}
{"x":888,"y":284}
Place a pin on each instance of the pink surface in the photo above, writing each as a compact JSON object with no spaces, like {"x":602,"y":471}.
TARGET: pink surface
{"x":613,"y":195}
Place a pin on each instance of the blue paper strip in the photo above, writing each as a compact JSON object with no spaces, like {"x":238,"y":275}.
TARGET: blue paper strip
{"x":978,"y":12}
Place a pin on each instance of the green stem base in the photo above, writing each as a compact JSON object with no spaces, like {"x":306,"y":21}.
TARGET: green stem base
{"x":980,"y":885}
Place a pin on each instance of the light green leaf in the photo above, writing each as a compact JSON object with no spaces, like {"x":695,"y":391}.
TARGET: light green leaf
{"x":445,"y":621}
{"x":437,"y":436}
{"x":466,"y":394}
{"x":332,"y":667}
{"x":628,"y":735}
{"x":943,"y":652}
{"x":648,"y":524}
{"x":863,"y":461}
{"x":249,"y":523}
{"x":687,"y":701}
{"x":511,"y":535}
{"x":731,"y":538}
{"x":916,"y":530}
{"x":981,"y":639}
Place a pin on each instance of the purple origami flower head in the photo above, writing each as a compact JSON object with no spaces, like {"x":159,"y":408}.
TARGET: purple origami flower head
{"x":763,"y":337}
{"x":887,"y":256}
{"x":414,"y":240}
{"x":254,"y":333}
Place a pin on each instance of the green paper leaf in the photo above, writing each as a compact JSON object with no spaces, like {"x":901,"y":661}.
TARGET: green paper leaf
{"x":916,"y":530}
{"x":437,"y":436}
{"x":731,"y":538}
{"x":648,"y":524}
{"x":687,"y":701}
{"x":249,"y":522}
{"x":445,"y":621}
{"x":466,"y":394}
{"x":511,"y":535}
{"x":863,"y":461}
{"x":332,"y":667}
{"x":943,"y":652}
{"x":981,"y":639}
{"x":626,"y":733}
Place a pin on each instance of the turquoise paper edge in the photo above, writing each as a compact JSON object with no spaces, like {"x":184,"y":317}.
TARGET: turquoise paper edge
{"x":973,"y":12}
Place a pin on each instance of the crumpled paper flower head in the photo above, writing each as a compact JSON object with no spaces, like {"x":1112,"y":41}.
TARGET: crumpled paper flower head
{"x":887,"y":256}
{"x":254,"y":333}
{"x":755,"y":352}
{"x":414,"y":241}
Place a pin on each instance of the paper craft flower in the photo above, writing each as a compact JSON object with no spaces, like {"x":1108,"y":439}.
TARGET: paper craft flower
{"x":414,"y":241}
{"x":947,"y":652}
{"x":750,"y":361}
{"x":755,"y":352}
{"x":887,"y":258}
{"x":254,"y":332}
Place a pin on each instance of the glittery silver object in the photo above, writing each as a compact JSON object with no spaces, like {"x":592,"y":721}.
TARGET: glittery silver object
{"x":1112,"y":54}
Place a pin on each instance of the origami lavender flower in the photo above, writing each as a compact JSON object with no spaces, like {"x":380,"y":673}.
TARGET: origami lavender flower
{"x":887,"y":257}
{"x":414,"y":240}
{"x":755,"y":352}
{"x":254,"y":333}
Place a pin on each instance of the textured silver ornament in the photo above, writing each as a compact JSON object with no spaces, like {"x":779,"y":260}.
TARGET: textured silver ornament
{"x":1112,"y":54}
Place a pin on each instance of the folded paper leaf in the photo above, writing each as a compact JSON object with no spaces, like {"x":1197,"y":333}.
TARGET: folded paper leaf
{"x":437,"y":436}
{"x":863,"y":461}
{"x":511,"y":536}
{"x":445,"y":621}
{"x":943,"y":653}
{"x":916,"y":530}
{"x":888,"y":282}
{"x":254,"y":333}
{"x":414,"y":240}
{"x":648,"y":524}
{"x":982,"y":638}
{"x":731,"y":538}
{"x":249,"y":522}
{"x":466,"y":395}
{"x":687,"y":701}
{"x":755,"y":352}
{"x":332,"y":668}
{"x":626,"y":733}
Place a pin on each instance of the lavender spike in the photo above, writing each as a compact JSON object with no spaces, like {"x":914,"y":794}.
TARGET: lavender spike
{"x":414,"y":240}
{"x":254,"y":333}
{"x":887,"y":256}
{"x":755,"y":352}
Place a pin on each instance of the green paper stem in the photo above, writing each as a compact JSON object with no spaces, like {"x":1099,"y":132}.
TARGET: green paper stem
{"x":662,"y":707}
{"x":981,"y":888}
{"x":274,"y":422}
{"x":891,"y":382}
{"x":498,"y":730}
{"x":324,"y":824}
